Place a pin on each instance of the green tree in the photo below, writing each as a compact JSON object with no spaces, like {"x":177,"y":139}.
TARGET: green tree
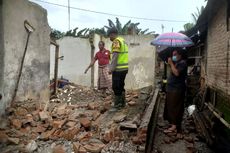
{"x":195,"y":17}
{"x":188,"y":26}
{"x":128,"y":28}
{"x":74,"y":33}
{"x":99,"y":31}
{"x":56,"y":34}
{"x":197,"y":14}
{"x":83,"y":33}
{"x":125,"y":28}
{"x":71,"y":32}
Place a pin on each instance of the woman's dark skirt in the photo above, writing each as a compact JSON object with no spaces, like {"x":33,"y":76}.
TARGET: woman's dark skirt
{"x":174,"y":107}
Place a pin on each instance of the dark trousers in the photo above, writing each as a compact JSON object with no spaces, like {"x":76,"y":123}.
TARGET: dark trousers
{"x":118,"y":82}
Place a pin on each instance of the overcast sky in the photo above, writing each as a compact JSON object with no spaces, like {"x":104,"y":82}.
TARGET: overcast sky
{"x":179,"y":10}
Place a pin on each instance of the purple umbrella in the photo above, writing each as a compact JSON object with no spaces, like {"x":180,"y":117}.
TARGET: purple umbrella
{"x":172,"y":39}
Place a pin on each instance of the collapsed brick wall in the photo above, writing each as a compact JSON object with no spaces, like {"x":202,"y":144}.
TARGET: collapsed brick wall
{"x":218,"y":52}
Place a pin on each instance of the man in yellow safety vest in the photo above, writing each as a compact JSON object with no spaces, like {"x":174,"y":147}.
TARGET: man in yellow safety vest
{"x":118,"y":67}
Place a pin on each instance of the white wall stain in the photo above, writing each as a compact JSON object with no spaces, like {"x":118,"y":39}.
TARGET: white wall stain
{"x":139,"y":74}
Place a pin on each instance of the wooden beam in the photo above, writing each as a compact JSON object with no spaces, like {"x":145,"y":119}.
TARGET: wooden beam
{"x":212,"y":109}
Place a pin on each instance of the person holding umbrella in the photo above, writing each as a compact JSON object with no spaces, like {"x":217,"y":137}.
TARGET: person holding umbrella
{"x":175,"y":91}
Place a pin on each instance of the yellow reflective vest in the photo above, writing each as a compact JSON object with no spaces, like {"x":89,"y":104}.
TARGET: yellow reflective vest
{"x":120,"y":46}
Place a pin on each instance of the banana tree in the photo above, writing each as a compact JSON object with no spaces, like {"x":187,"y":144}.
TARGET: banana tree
{"x":128,"y":28}
{"x":195,"y":17}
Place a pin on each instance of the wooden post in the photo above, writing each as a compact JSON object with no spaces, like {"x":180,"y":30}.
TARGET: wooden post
{"x":212,"y":109}
{"x":56,"y":69}
{"x":56,"y":66}
{"x":227,"y":65}
{"x":164,"y":77}
{"x":91,"y":41}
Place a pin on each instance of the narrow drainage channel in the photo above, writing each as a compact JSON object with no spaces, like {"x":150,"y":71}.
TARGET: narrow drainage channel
{"x":152,"y":122}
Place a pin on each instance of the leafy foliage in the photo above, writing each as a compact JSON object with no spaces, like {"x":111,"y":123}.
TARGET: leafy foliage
{"x":55,"y":34}
{"x":128,"y":28}
{"x":195,"y":17}
{"x":188,"y":26}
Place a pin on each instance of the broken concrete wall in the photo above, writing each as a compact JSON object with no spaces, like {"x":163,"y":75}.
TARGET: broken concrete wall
{"x":141,"y":61}
{"x":76,"y":52}
{"x":77,"y":56}
{"x":34,"y":82}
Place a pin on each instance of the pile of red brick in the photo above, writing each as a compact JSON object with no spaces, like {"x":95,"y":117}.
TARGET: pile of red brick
{"x":89,"y":126}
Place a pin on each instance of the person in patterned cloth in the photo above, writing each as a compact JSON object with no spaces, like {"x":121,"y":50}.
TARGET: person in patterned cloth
{"x":103,"y":57}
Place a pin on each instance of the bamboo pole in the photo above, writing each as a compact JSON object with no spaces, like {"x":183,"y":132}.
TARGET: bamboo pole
{"x":212,"y":109}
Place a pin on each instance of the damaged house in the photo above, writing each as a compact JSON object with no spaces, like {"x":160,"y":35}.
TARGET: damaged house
{"x":24,"y":52}
{"x":211,"y":55}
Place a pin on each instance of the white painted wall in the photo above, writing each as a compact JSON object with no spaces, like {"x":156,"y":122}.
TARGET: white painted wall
{"x":76,"y":52}
{"x":77,"y":56}
{"x":141,"y":61}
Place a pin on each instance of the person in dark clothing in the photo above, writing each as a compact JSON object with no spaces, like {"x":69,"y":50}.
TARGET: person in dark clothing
{"x":175,"y":92}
